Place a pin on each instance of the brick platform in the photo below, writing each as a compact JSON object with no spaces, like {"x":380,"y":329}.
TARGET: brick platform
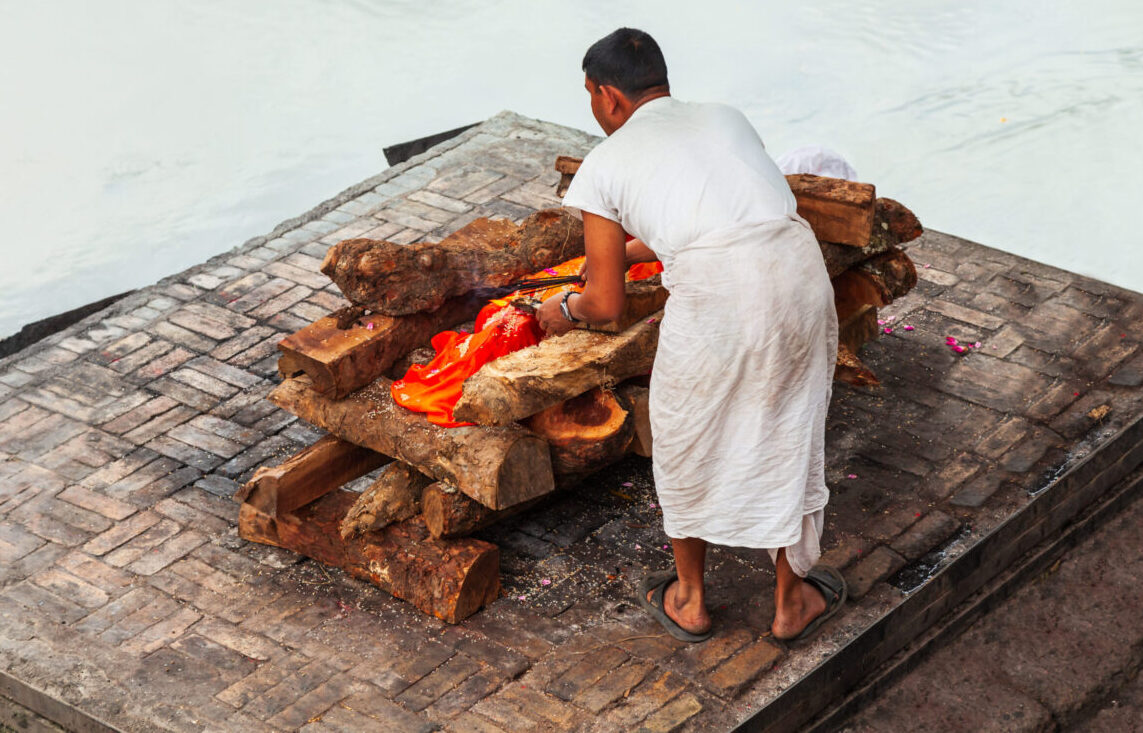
{"x":126,"y":593}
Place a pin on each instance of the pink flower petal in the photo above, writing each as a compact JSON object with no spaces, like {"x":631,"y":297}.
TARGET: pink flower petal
{"x":908,"y":328}
{"x":545,"y":581}
{"x":880,"y":322}
{"x":665,"y":546}
{"x":887,"y":330}
{"x":369,"y":326}
{"x":852,"y":475}
{"x":550,"y":271}
{"x":520,"y":598}
{"x":926,"y":265}
{"x":638,"y":547}
{"x":627,"y":484}
{"x":976,"y":345}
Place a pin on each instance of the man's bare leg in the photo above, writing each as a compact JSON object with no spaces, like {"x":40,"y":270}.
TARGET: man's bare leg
{"x":685,"y":601}
{"x":796,"y":602}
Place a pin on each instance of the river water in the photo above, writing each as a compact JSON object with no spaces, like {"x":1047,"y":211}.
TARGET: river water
{"x":139,"y":137}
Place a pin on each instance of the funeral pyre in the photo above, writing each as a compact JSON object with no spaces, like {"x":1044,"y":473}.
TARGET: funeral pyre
{"x":525,"y":424}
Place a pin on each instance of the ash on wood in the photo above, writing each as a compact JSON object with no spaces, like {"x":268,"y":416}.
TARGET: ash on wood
{"x":498,"y":466}
{"x":449,"y":579}
{"x":397,"y":279}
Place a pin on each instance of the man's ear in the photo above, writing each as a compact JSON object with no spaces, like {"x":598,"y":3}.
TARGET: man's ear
{"x":612,"y":97}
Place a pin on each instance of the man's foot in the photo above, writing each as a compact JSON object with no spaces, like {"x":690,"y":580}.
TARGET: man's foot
{"x":684,"y":619}
{"x":817,"y":598}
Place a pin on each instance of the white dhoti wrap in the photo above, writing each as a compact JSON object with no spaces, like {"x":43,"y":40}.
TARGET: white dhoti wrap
{"x":740,"y":388}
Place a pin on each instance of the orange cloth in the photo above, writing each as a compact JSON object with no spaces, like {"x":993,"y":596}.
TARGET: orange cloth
{"x":500,"y":329}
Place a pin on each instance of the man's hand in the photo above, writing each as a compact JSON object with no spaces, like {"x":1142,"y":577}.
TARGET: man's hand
{"x":551,"y":318}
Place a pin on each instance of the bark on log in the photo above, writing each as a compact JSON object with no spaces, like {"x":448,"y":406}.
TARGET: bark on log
{"x":448,"y":513}
{"x":840,"y":257}
{"x":307,"y":475}
{"x":851,"y":371}
{"x":342,"y":358}
{"x":586,"y":433}
{"x":893,"y":271}
{"x":393,"y":497}
{"x":838,"y":211}
{"x":877,"y":281}
{"x":639,"y":399}
{"x":900,"y":222}
{"x":399,"y":279}
{"x":860,"y":328}
{"x":559,"y":368}
{"x":498,"y":467}
{"x":450,"y":579}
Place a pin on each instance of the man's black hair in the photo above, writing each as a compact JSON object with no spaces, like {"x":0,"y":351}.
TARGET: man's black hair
{"x":628,"y":59}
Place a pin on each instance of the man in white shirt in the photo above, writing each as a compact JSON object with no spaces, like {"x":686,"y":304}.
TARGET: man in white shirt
{"x":744,"y":365}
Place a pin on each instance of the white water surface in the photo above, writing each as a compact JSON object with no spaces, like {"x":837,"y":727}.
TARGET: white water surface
{"x":138,"y":138}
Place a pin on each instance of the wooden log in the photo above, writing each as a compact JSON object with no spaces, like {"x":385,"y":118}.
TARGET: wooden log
{"x":900,"y":222}
{"x":530,"y":380}
{"x":449,"y":579}
{"x":307,"y":475}
{"x":839,"y":211}
{"x":850,"y":370}
{"x":567,"y":167}
{"x":892,"y":271}
{"x":341,"y":358}
{"x":394,"y":496}
{"x":858,"y":329}
{"x":448,"y":513}
{"x":397,"y":279}
{"x":498,"y":467}
{"x":638,"y":397}
{"x":586,"y":433}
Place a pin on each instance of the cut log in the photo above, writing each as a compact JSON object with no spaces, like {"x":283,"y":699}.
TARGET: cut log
{"x":586,"y":433}
{"x":893,"y":271}
{"x":449,"y":579}
{"x":850,"y":370}
{"x":533,"y":379}
{"x":567,"y":168}
{"x":839,"y":257}
{"x":397,"y":279}
{"x":859,"y":328}
{"x":498,"y":467}
{"x":448,"y":513}
{"x":638,"y":397}
{"x":394,"y":496}
{"x":839,"y":211}
{"x":342,"y":358}
{"x":307,"y":475}
{"x":900,"y":222}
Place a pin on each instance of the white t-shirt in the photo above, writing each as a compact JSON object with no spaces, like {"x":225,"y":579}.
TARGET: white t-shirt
{"x":676,"y":172}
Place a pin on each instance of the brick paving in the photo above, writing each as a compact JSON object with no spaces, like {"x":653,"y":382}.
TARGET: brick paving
{"x":125,"y":591}
{"x":1063,"y":653}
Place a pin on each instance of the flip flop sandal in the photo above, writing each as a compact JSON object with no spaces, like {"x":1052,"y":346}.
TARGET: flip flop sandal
{"x":831,"y":584}
{"x":658,"y":583}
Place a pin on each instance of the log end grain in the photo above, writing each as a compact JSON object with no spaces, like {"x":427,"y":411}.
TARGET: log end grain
{"x":587,"y":432}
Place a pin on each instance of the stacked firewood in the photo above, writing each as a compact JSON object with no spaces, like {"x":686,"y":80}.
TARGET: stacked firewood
{"x":542,"y":417}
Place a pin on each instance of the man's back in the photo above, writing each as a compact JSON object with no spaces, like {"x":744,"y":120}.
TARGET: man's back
{"x":676,"y":172}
